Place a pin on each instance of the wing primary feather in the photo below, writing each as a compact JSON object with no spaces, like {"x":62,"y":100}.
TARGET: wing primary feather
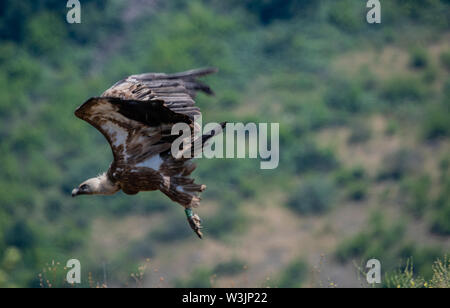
{"x":186,"y":74}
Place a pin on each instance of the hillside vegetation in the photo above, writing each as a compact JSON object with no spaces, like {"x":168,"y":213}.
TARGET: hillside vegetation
{"x":364,"y":142}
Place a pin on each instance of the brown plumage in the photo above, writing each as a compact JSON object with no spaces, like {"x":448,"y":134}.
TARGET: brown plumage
{"x":136,"y":116}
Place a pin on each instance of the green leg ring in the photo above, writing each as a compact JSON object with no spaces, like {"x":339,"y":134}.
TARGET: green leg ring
{"x":188,"y":212}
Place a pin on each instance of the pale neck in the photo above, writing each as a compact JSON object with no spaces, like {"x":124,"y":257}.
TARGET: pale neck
{"x":106,"y":186}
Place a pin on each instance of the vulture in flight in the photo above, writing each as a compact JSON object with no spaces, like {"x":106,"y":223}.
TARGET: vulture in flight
{"x":136,"y":116}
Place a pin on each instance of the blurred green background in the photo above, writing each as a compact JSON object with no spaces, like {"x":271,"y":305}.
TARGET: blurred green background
{"x":364,"y":142}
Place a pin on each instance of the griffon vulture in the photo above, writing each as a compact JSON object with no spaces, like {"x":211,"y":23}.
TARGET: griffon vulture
{"x":136,"y":116}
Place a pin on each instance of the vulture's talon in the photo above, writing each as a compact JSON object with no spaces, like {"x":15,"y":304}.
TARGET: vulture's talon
{"x":194,"y":221}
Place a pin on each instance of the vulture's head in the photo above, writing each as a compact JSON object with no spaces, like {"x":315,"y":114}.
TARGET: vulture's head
{"x":88,"y":187}
{"x":100,"y":185}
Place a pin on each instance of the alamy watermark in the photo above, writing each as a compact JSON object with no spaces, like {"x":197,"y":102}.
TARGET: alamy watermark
{"x":74,"y":273}
{"x":241,"y":141}
{"x":74,"y":14}
{"x":374,"y":14}
{"x":374,"y":273}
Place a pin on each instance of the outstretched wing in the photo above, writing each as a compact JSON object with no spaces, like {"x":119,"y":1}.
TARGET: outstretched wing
{"x":136,"y":130}
{"x":136,"y":114}
{"x":177,"y":91}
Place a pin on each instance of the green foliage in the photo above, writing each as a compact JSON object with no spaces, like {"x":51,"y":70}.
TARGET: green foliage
{"x":419,"y":58}
{"x":423,"y":257}
{"x":427,"y":11}
{"x":308,"y":156}
{"x":417,"y":195}
{"x":345,"y":96}
{"x":315,"y":196}
{"x":293,"y":275}
{"x":400,"y":163}
{"x":141,"y":204}
{"x":373,"y":242}
{"x":20,"y":235}
{"x":355,"y":182}
{"x":200,"y":278}
{"x":270,"y":10}
{"x":178,"y":230}
{"x":360,"y":133}
{"x":403,"y":89}
{"x":143,"y":249}
{"x":385,"y":241}
{"x":376,"y":239}
{"x":45,"y":40}
{"x":445,"y":59}
{"x":229,"y":268}
{"x":358,"y":191}
{"x":436,"y":124}
{"x":441,"y":274}
{"x":406,"y":277}
{"x":228,"y":219}
{"x":392,"y":128}
{"x":346,"y":16}
{"x":440,"y":221}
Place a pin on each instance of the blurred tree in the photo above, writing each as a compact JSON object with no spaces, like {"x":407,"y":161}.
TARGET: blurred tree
{"x":315,"y":196}
{"x":270,"y":10}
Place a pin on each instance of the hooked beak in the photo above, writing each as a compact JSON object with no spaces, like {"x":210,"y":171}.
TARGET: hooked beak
{"x":74,"y":192}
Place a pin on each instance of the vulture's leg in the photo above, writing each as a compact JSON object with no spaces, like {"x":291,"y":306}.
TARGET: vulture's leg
{"x":184,"y":191}
{"x":194,"y":221}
